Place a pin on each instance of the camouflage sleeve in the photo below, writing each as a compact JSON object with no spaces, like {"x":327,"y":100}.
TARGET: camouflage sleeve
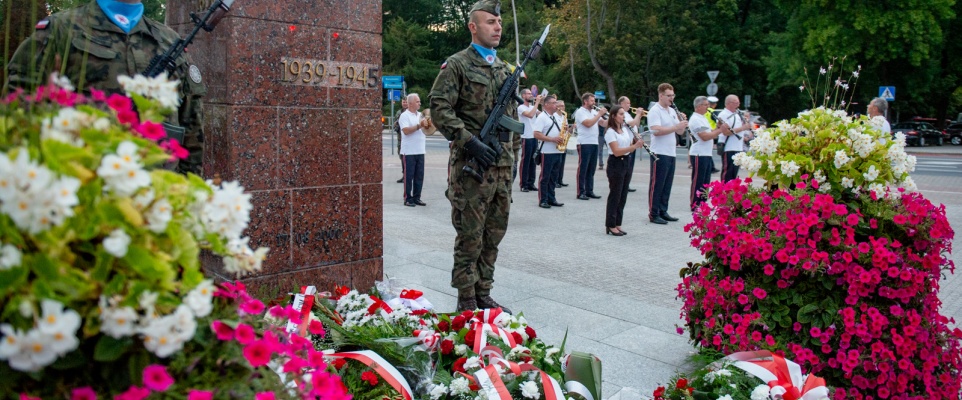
{"x":443,"y":97}
{"x":192,"y":119}
{"x":30,"y":62}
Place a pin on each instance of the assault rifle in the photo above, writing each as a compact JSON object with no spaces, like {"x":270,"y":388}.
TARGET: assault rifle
{"x":497,"y":119}
{"x":167,"y":62}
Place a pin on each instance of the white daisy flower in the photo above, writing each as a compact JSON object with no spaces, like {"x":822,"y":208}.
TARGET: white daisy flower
{"x":116,"y":244}
{"x":10,"y":256}
{"x":530,"y":390}
{"x":159,"y":215}
{"x":118,"y":322}
{"x":200,"y":299}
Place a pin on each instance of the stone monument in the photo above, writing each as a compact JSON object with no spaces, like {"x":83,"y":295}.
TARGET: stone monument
{"x":293,"y":113}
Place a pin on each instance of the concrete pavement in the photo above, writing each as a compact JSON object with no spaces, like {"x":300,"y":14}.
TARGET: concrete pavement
{"x":614,"y":296}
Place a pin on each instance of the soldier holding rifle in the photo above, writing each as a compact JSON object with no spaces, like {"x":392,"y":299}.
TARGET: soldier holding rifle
{"x":101,"y":40}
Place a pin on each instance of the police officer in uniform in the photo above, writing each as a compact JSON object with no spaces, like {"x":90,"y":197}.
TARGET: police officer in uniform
{"x":463,"y":94}
{"x":101,"y":40}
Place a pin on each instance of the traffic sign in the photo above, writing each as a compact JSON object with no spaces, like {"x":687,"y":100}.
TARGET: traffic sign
{"x":748,"y":100}
{"x":393,"y":81}
{"x":712,"y":89}
{"x":600,"y":95}
{"x":887,"y":92}
{"x":711,"y":76}
{"x":394,"y":95}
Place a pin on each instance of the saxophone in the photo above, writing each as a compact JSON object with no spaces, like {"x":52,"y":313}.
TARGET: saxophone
{"x":563,"y":133}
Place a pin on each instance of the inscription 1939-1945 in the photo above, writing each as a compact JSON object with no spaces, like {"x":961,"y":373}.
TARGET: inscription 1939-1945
{"x":302,"y":71}
{"x":321,"y":238}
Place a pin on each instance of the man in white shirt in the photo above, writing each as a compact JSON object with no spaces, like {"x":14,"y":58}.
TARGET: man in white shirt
{"x":665,"y":123}
{"x":562,"y":119}
{"x":412,"y":150}
{"x":547,"y":130}
{"x":527,"y":113}
{"x":633,"y":122}
{"x":699,"y":155}
{"x":877,"y":108}
{"x":736,"y":138}
{"x":587,"y":121}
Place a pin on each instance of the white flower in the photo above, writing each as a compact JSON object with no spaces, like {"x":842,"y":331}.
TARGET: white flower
{"x":116,"y":244}
{"x":822,"y":71}
{"x":10,"y":256}
{"x":12,"y":340}
{"x":461,"y":349}
{"x":166,"y":335}
{"x":909,"y":184}
{"x":159,"y":215}
{"x":118,"y":322}
{"x":848,"y":182}
{"x":122,"y":171}
{"x":824,"y":187}
{"x":472,"y":362}
{"x":801,"y":88}
{"x":460,"y":385}
{"x":878,"y":188}
{"x":158,"y":88}
{"x":437,"y":391}
{"x":760,"y":392}
{"x":62,"y":81}
{"x":841,"y":158}
{"x":200,"y":299}
{"x":530,"y":390}
{"x":59,"y":326}
{"x":726,"y":397}
{"x":745,"y":160}
{"x":871,"y":174}
{"x":227,"y":213}
{"x":143,"y":199}
{"x":789,"y":168}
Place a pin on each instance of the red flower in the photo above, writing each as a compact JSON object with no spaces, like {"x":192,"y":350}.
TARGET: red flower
{"x":659,"y":393}
{"x":258,"y":353}
{"x":369,"y":377}
{"x":119,"y":102}
{"x":316,"y":328}
{"x":682,"y":383}
{"x":458,"y":323}
{"x":530,"y":332}
{"x":444,"y":326}
{"x":338,"y":363}
{"x":517,"y":337}
{"x":447,"y":346}
{"x":151,"y":130}
{"x":469,"y":338}
{"x":459,"y":365}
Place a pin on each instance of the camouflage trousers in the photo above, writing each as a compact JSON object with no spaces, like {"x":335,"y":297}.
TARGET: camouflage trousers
{"x":479,"y":213}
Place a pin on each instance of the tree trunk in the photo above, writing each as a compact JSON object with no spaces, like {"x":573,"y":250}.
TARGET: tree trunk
{"x":594,"y":58}
{"x":19,"y":19}
{"x":574,"y":81}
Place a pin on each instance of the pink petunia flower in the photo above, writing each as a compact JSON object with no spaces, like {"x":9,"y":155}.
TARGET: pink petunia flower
{"x":264,"y":396}
{"x":134,"y":393}
{"x":156,"y":378}
{"x":245,"y":334}
{"x":119,"y":102}
{"x":316,"y":328}
{"x":151,"y":130}
{"x":200,"y":395}
{"x":177,"y":152}
{"x":258,"y":353}
{"x":760,"y":293}
{"x":252,"y":306}
{"x":224,"y":332}
{"x":84,"y":393}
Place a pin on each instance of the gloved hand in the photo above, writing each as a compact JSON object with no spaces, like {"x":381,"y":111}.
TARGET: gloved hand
{"x":483,"y":154}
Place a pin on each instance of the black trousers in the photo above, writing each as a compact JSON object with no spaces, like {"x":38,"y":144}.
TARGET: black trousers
{"x":729,"y":170}
{"x":527,"y":163}
{"x":601,"y":146}
{"x":587,"y":157}
{"x":413,"y":176}
{"x":619,"y":176}
{"x":560,"y":176}
{"x":659,"y":187}
{"x":550,"y":163}
{"x":700,"y":177}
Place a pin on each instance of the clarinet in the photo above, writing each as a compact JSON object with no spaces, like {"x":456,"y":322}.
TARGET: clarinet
{"x":645,"y":145}
{"x":688,"y":131}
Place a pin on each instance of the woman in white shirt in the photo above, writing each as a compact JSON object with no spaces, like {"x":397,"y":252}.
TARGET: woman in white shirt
{"x":620,"y":145}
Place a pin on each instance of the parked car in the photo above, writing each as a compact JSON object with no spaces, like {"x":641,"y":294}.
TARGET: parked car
{"x":955,"y":133}
{"x":919,"y":133}
{"x":757,"y":121}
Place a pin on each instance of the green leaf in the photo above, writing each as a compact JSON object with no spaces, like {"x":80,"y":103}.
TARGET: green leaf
{"x":110,"y":349}
{"x":13,"y":279}
{"x":73,"y":359}
{"x":804,"y":314}
{"x":149,"y":265}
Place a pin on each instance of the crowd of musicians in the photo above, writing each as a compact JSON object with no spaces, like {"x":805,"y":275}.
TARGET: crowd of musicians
{"x":549,"y":133}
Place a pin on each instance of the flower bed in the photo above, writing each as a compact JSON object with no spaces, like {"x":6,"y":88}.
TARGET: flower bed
{"x":830,"y":264}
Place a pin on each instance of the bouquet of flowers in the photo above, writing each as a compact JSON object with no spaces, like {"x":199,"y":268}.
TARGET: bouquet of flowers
{"x":484,"y":353}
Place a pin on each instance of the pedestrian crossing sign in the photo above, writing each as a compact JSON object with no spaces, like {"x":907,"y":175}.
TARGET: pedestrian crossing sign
{"x":887,"y":92}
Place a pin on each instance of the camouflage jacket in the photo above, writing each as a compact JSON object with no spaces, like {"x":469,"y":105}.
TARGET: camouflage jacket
{"x":462,"y":96}
{"x":94,"y":52}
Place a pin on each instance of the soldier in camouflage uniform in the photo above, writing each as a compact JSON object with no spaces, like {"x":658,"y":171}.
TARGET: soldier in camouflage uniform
{"x":463,"y":95}
{"x":94,"y":51}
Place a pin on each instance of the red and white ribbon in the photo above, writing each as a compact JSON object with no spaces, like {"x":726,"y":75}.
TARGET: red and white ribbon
{"x":783,"y":376}
{"x":303,"y":302}
{"x":428,"y":338}
{"x":412,"y":299}
{"x":481,"y":335}
{"x":381,"y":367}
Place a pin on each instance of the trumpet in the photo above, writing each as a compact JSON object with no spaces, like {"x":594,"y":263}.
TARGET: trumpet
{"x":596,"y":109}
{"x":634,"y":110}
{"x":645,"y":145}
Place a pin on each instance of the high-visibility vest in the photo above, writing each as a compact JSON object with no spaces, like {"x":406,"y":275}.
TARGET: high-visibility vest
{"x":711,"y":118}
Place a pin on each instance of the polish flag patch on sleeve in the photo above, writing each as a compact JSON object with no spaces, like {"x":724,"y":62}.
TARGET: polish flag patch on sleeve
{"x":445,"y":65}
{"x":42,"y":24}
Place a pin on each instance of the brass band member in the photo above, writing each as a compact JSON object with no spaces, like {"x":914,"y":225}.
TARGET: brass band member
{"x":527,"y":113}
{"x":735,"y":138}
{"x":665,"y":123}
{"x":587,"y":121}
{"x":632,"y":121}
{"x":700,"y":152}
{"x":547,"y":129}
{"x":621,"y":144}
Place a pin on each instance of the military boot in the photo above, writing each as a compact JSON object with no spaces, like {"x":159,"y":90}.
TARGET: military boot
{"x":467,"y":300}
{"x":485,"y":301}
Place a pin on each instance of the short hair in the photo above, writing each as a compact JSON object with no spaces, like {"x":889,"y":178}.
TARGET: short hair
{"x":550,"y":97}
{"x":525,"y":90}
{"x":664,"y":87}
{"x":880,"y":104}
{"x":699,"y":100}
{"x":622,"y":99}
{"x":411,"y":96}
{"x":585,"y":96}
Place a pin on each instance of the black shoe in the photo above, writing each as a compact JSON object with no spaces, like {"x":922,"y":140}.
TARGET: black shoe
{"x":623,"y":231}
{"x":469,"y":304}
{"x":632,"y":190}
{"x":409,"y":203}
{"x":400,"y":180}
{"x":544,"y":205}
{"x":601,"y":167}
{"x":658,"y":220}
{"x":555,"y":204}
{"x":609,"y":232}
{"x":667,"y":217}
{"x":524,"y":189}
{"x":562,"y":184}
{"x":715,"y":170}
{"x":487,"y":302}
{"x":420,"y":203}
{"x":582,"y":197}
{"x":593,"y":196}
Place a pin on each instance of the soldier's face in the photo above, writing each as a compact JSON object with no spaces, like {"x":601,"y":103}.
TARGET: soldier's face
{"x":485,"y":29}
